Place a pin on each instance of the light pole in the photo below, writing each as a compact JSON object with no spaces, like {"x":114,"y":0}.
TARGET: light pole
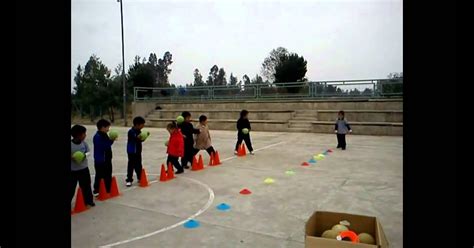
{"x":123,"y":70}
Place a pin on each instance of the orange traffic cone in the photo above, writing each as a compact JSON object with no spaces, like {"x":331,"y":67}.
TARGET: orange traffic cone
{"x":114,"y":191}
{"x":200,"y":163}
{"x":102,"y":191}
{"x":211,"y":159}
{"x":244,"y":149}
{"x":80,"y":205}
{"x":163,"y":175}
{"x":194,"y":165}
{"x":170,"y":171}
{"x":143,"y":179}
{"x":239,"y":151}
{"x":217,"y":160}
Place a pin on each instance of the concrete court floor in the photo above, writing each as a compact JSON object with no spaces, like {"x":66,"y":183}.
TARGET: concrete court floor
{"x":365,"y":179}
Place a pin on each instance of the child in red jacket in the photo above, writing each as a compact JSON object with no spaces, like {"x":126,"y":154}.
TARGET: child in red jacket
{"x":175,"y":146}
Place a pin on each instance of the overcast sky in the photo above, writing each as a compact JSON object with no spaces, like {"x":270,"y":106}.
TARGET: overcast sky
{"x":339,"y":39}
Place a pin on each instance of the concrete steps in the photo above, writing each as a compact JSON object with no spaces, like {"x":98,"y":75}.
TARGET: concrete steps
{"x":368,"y":117}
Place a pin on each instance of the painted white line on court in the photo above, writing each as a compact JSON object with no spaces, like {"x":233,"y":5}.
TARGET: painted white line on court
{"x":204,"y":208}
{"x":259,"y":149}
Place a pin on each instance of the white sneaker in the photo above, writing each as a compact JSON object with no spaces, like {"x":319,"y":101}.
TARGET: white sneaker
{"x":128,"y":184}
{"x":235,"y":153}
{"x":252,"y":153}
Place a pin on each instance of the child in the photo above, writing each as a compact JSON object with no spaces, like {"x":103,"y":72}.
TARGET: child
{"x":80,"y":171}
{"x":102,"y":156}
{"x":175,"y":146}
{"x":203,"y":139}
{"x":242,"y":123}
{"x":134,"y":150}
{"x":188,"y":130}
{"x":341,"y":129}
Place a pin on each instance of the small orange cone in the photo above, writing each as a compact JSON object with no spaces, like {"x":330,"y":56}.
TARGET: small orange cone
{"x":102,"y":191}
{"x":80,"y":205}
{"x":211,"y":159}
{"x":244,"y":150}
{"x":163,"y":175}
{"x":239,"y":151}
{"x":114,"y":191}
{"x":200,"y":163}
{"x":143,"y":179}
{"x":217,"y":160}
{"x":170,"y":171}
{"x":194,"y":165}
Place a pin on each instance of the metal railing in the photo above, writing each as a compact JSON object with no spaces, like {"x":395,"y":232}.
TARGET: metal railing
{"x":372,"y":88}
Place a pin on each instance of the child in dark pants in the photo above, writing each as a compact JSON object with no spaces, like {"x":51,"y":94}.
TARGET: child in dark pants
{"x":203,"y":139}
{"x":341,"y":129}
{"x":134,"y":150}
{"x":102,"y":156}
{"x":175,"y":146}
{"x":242,"y":123}
{"x":188,"y":131}
{"x":80,"y":169}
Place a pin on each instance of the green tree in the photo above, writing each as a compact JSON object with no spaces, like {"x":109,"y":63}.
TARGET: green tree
{"x":246,"y":80}
{"x":257,"y":80}
{"x":292,"y":68}
{"x":220,"y":78}
{"x":198,"y":78}
{"x":392,"y":86}
{"x":212,"y":78}
{"x":272,"y":61}
{"x":163,"y":70}
{"x":92,"y":85}
{"x":232,"y":80}
{"x":141,"y":74}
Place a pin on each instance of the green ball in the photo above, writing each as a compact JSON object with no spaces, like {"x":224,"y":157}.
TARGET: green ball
{"x":339,"y":228}
{"x":166,"y":143}
{"x":78,"y":156}
{"x":366,"y":238}
{"x":144,"y":135}
{"x":329,"y":234}
{"x":179,"y":119}
{"x":245,"y":131}
{"x":113,"y":134}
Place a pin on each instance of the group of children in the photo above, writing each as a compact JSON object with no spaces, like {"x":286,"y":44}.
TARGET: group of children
{"x":185,"y":142}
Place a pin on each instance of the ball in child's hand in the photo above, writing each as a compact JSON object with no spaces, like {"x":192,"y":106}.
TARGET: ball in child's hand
{"x":179,"y":119}
{"x":245,"y":131}
{"x":113,"y":134}
{"x":78,"y":156}
{"x":143,"y":135}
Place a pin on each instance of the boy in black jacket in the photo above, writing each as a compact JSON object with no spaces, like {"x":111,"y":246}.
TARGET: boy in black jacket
{"x":102,"y":156}
{"x":187,"y":130}
{"x":243,"y":123}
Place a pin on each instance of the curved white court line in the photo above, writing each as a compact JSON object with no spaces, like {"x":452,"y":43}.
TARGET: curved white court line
{"x":202,"y":210}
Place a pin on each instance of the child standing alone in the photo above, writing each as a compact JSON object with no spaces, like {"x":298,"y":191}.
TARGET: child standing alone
{"x":341,"y":129}
{"x":243,"y":123}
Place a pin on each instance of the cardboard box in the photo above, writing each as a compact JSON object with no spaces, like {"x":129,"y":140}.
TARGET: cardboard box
{"x":322,"y":220}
